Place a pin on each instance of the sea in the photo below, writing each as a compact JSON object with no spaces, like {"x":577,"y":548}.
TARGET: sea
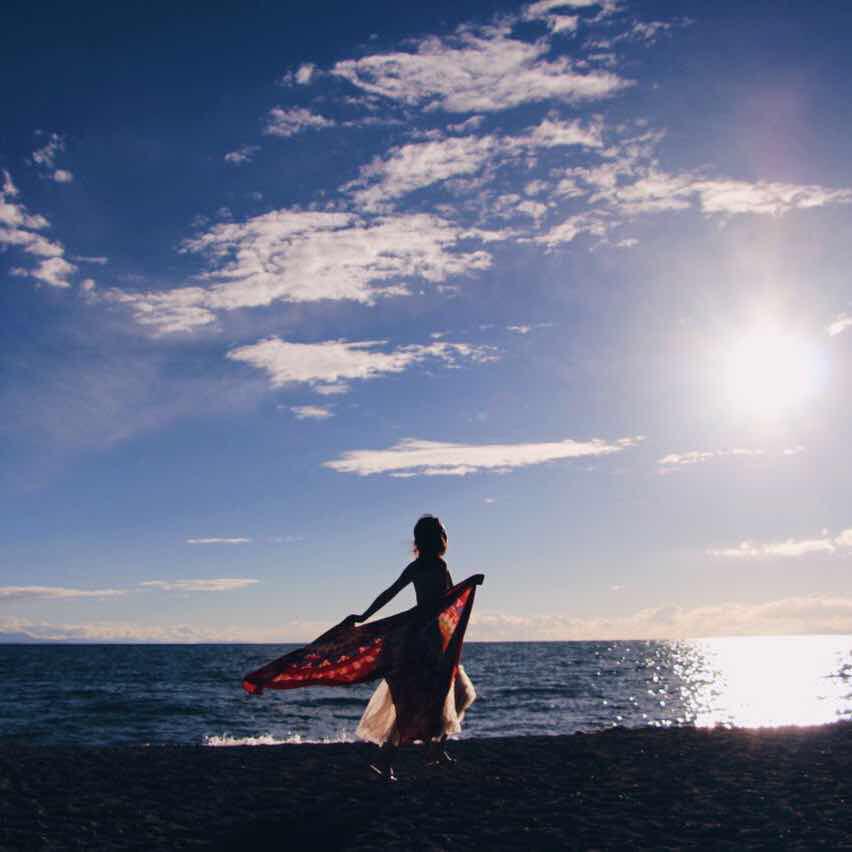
{"x":60,"y":694}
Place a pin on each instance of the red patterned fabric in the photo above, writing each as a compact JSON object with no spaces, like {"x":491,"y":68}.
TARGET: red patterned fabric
{"x":417,"y":652}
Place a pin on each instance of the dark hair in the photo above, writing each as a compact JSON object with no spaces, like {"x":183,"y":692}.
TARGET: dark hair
{"x":430,"y":536}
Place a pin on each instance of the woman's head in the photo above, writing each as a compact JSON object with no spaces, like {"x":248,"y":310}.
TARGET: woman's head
{"x":430,"y":537}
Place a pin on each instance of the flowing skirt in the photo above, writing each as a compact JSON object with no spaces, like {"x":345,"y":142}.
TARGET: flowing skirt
{"x":379,"y":723}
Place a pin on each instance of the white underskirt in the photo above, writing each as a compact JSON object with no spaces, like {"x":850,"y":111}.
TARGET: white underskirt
{"x":378,"y":724}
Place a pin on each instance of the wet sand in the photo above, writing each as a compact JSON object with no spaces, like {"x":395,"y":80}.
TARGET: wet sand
{"x":655,"y":789}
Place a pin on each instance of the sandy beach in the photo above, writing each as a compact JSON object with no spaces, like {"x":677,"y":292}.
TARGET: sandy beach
{"x":660,"y":789}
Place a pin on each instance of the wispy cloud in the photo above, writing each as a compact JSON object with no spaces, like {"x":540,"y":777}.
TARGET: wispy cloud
{"x":477,"y":71}
{"x":27,"y":593}
{"x":413,"y":457}
{"x":311,"y":412}
{"x":218,"y":540}
{"x":699,"y":456}
{"x":839,"y":324}
{"x":567,"y":231}
{"x":417,"y":165}
{"x":524,"y":329}
{"x":410,"y":167}
{"x":656,"y":191}
{"x":114,"y":631}
{"x":818,"y":614}
{"x":289,"y":122}
{"x":45,"y":156}
{"x":788,"y":548}
{"x":300,"y":77}
{"x":332,"y":361}
{"x":307,"y":256}
{"x":792,"y":615}
{"x":20,"y":229}
{"x":221,"y":584}
{"x":243,"y":154}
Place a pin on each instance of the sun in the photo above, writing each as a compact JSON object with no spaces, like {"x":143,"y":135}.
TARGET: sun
{"x":769,"y":372}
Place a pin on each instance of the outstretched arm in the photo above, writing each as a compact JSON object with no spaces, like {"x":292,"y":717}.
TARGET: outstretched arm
{"x":385,"y":597}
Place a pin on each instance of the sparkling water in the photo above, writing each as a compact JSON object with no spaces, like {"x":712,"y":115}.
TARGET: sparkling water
{"x":191,"y":694}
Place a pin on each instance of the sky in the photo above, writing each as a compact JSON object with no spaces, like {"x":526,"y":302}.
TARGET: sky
{"x":276,"y":280}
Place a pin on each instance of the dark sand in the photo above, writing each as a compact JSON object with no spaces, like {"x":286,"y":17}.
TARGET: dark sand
{"x":657,"y":789}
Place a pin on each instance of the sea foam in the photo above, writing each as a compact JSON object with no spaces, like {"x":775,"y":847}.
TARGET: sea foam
{"x":219,"y":741}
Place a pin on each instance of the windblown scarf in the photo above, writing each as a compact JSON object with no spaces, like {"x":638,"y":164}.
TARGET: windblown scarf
{"x":416,"y":651}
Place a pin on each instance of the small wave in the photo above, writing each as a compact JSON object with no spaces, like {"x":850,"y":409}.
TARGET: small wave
{"x":268,"y":740}
{"x":331,"y":702}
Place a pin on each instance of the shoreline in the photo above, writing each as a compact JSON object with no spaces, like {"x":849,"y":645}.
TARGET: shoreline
{"x":650,"y":787}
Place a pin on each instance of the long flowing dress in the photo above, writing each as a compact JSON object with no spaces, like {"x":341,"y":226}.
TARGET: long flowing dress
{"x":424,"y":692}
{"x":415,"y":701}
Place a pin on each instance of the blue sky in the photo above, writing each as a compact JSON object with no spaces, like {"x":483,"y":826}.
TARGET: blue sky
{"x":573,"y":276}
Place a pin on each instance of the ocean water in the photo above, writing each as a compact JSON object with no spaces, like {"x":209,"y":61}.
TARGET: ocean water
{"x":191,"y":694}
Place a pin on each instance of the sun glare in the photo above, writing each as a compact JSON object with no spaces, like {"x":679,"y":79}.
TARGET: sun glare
{"x":768,"y":373}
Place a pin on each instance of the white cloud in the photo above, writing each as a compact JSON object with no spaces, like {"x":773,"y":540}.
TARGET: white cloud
{"x":407,"y":168}
{"x":311,"y":412}
{"x":167,"y":311}
{"x":477,"y":72}
{"x":218,"y":540}
{"x":243,"y":154}
{"x":9,"y":189}
{"x":306,"y":256}
{"x":789,"y":548}
{"x":533,"y":209}
{"x":697,"y":456}
{"x":305,"y":73}
{"x":220,"y":584}
{"x":543,"y":8}
{"x":46,"y":155}
{"x":31,"y":243}
{"x":551,"y":133}
{"x":87,"y":285}
{"x":329,"y":362}
{"x":412,"y":457}
{"x":563,"y":23}
{"x":12,"y":213}
{"x":300,"y":77}
{"x":18,"y":228}
{"x":737,"y":196}
{"x":657,"y":191}
{"x":794,"y":615}
{"x":26,"y":593}
{"x":572,"y":227}
{"x":289,"y":122}
{"x":526,"y":329}
{"x":54,"y":271}
{"x":839,"y":324}
{"x":112,"y":631}
{"x":411,"y":167}
{"x":468,"y":125}
{"x":63,"y":176}
{"x":98,"y":260}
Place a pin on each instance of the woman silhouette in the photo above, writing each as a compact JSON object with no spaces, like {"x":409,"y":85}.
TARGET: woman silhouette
{"x":413,"y":703}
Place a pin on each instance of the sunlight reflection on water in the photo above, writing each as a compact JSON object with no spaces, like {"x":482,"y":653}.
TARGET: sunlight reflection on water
{"x":765,"y":681}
